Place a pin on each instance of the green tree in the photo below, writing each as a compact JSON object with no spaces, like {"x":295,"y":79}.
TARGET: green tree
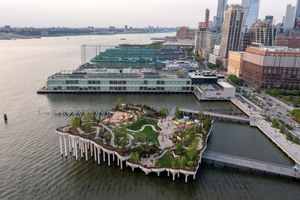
{"x":275,"y":123}
{"x":134,"y":157}
{"x":123,"y":144}
{"x":281,"y":129}
{"x":183,"y":161}
{"x":75,"y":122}
{"x":107,"y":135}
{"x":177,"y":112}
{"x":295,"y":92}
{"x":94,"y":118}
{"x":87,"y":116}
{"x":296,"y":114}
{"x":258,"y":90}
{"x":288,"y":135}
{"x":206,"y":124}
{"x":211,"y":65}
{"x":201,"y":114}
{"x":296,"y":139}
{"x":163,"y":111}
{"x":120,"y":101}
{"x":179,"y":147}
{"x":88,"y":126}
{"x":191,"y":152}
{"x":268,"y":118}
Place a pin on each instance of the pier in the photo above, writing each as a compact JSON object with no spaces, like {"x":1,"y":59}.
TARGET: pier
{"x":252,"y":164}
{"x":244,"y":119}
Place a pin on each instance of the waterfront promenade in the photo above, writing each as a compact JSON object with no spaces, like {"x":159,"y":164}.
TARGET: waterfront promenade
{"x":252,"y":164}
{"x":291,"y":149}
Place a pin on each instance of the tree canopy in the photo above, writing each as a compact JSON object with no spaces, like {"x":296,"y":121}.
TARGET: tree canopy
{"x":177,"y":112}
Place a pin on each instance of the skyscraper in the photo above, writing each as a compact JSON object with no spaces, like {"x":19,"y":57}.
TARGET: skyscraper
{"x":269,"y":18}
{"x":231,"y":33}
{"x":222,"y":6}
{"x":297,"y":12}
{"x":289,"y":20}
{"x":207,"y":19}
{"x":251,"y":10}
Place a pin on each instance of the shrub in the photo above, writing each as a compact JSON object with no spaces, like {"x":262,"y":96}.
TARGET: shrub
{"x":183,"y":161}
{"x":107,"y":135}
{"x":288,"y":135}
{"x":296,"y":139}
{"x":281,"y":129}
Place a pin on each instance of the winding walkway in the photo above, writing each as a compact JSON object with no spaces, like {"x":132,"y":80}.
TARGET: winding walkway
{"x":112,"y":141}
{"x":143,"y":127}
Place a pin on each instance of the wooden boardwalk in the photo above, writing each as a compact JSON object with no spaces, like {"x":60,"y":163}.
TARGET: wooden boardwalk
{"x":252,"y":164}
{"x":216,"y":115}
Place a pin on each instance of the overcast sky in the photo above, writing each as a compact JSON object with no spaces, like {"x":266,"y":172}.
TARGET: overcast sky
{"x":102,"y":13}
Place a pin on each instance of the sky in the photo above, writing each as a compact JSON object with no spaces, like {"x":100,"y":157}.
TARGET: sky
{"x":135,"y":13}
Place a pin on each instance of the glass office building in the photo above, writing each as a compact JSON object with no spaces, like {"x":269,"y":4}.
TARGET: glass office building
{"x":251,"y":10}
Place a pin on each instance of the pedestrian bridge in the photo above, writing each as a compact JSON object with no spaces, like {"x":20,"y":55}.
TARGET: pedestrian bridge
{"x":252,"y":164}
{"x":245,"y":119}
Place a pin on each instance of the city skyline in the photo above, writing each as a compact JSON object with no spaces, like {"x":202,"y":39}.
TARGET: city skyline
{"x":119,"y":13}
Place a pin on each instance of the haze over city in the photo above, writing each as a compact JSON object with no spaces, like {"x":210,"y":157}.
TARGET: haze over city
{"x":77,"y":13}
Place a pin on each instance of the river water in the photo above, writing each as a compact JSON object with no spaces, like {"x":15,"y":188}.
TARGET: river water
{"x":30,"y":163}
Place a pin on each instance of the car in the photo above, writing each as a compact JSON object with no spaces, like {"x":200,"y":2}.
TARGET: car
{"x":269,"y":99}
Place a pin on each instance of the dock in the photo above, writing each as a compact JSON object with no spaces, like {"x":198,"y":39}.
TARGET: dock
{"x":252,"y":164}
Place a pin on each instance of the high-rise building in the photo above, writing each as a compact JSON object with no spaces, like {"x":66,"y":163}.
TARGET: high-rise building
{"x":251,"y":10}
{"x":297,"y":11}
{"x":269,"y":18}
{"x":205,"y":42}
{"x":289,"y":20}
{"x":264,"y":33}
{"x":207,"y":18}
{"x":205,"y":24}
{"x":222,"y":7}
{"x":231,"y":33}
{"x":247,"y":39}
{"x":272,"y":67}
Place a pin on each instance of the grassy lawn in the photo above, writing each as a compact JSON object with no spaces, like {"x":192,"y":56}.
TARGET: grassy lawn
{"x":148,"y":134}
{"x":164,"y":161}
{"x":138,"y":125}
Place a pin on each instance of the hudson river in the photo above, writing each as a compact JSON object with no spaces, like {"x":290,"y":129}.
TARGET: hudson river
{"x":30,"y":163}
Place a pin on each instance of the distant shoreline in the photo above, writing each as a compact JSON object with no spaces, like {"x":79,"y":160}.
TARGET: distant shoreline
{"x":24,"y":37}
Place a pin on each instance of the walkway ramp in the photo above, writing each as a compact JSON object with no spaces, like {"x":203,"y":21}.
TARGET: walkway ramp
{"x":252,"y":164}
{"x":216,"y":115}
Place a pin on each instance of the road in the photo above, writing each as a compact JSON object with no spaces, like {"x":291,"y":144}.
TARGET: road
{"x":278,"y":109}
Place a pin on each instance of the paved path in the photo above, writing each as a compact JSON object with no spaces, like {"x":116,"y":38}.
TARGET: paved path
{"x":97,"y":133}
{"x":112,"y":141}
{"x":166,"y":132}
{"x":250,"y":163}
{"x":143,"y":127}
